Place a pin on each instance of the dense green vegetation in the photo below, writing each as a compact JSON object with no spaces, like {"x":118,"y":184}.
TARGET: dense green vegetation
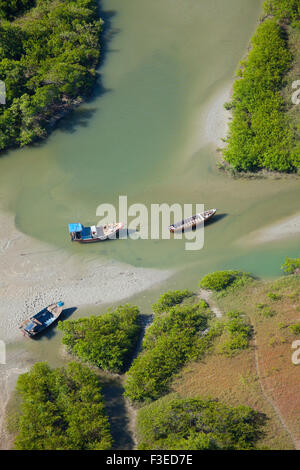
{"x":261,"y":134}
{"x":169,"y":299}
{"x":169,"y":343}
{"x":173,"y":423}
{"x":61,"y":409}
{"x":295,"y":329}
{"x":220,"y":280}
{"x":291,"y":265}
{"x":283,"y":9}
{"x":107,"y":341}
{"x":47,"y":62}
{"x":9,"y":9}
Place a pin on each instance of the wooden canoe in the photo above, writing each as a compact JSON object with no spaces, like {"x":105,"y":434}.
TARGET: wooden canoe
{"x":192,"y":221}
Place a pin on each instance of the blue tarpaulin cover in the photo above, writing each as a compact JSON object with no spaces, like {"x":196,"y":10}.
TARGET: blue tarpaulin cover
{"x":75,"y":228}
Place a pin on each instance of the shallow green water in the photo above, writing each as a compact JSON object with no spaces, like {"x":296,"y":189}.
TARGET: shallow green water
{"x":165,"y":60}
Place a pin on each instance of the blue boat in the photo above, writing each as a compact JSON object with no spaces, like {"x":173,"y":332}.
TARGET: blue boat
{"x":41,"y":320}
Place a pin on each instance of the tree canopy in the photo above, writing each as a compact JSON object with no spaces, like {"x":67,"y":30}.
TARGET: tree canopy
{"x":47,"y":62}
{"x":61,"y":409}
{"x":107,"y":341}
{"x":173,"y":423}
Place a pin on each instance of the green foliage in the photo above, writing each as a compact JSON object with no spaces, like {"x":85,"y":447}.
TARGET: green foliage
{"x":205,"y":343}
{"x":259,"y":134}
{"x":168,"y":344}
{"x":221,"y":280}
{"x":62,"y":409}
{"x":107,"y":341}
{"x":291,"y":265}
{"x":273,"y":296}
{"x":238,"y":334}
{"x":47,"y":61}
{"x":173,"y":423}
{"x":295,"y":329}
{"x":261,"y":305}
{"x":169,"y":299}
{"x":283,"y":9}
{"x":9,"y":9}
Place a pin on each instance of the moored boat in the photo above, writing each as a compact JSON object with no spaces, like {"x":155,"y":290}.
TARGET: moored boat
{"x":192,"y":221}
{"x":92,"y":234}
{"x":41,"y":320}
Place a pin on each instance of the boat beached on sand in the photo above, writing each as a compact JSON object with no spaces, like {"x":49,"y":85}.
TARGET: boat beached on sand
{"x":192,"y":221}
{"x":81,"y":234}
{"x":41,"y":320}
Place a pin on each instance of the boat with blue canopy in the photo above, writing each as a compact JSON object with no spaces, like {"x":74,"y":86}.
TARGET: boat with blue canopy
{"x":92,"y":234}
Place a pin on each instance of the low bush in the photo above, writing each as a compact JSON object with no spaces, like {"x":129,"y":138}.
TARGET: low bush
{"x":237,"y":334}
{"x":169,"y":299}
{"x":295,"y":329}
{"x":273,"y":296}
{"x":291,"y":265}
{"x":221,"y":280}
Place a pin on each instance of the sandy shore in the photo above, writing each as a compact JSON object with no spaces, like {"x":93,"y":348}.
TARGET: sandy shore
{"x":284,"y":228}
{"x":34,"y":274}
{"x":215,"y":125}
{"x":210,"y":125}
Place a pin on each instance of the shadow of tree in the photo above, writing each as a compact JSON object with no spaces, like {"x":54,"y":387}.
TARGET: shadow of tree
{"x":80,"y":117}
{"x":117,"y":412}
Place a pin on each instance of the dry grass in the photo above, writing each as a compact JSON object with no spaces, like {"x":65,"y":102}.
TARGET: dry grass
{"x":234,"y":380}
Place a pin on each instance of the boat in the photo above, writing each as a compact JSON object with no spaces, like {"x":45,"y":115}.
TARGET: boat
{"x":41,"y":320}
{"x":192,"y":221}
{"x":93,"y":234}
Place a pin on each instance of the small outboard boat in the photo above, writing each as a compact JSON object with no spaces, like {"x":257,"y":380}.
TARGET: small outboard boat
{"x":41,"y":320}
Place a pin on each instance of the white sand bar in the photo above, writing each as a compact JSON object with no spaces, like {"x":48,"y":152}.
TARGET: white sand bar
{"x":284,"y":228}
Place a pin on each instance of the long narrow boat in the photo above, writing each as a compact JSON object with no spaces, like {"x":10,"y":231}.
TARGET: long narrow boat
{"x":92,"y":234}
{"x":41,"y":320}
{"x":192,"y":221}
